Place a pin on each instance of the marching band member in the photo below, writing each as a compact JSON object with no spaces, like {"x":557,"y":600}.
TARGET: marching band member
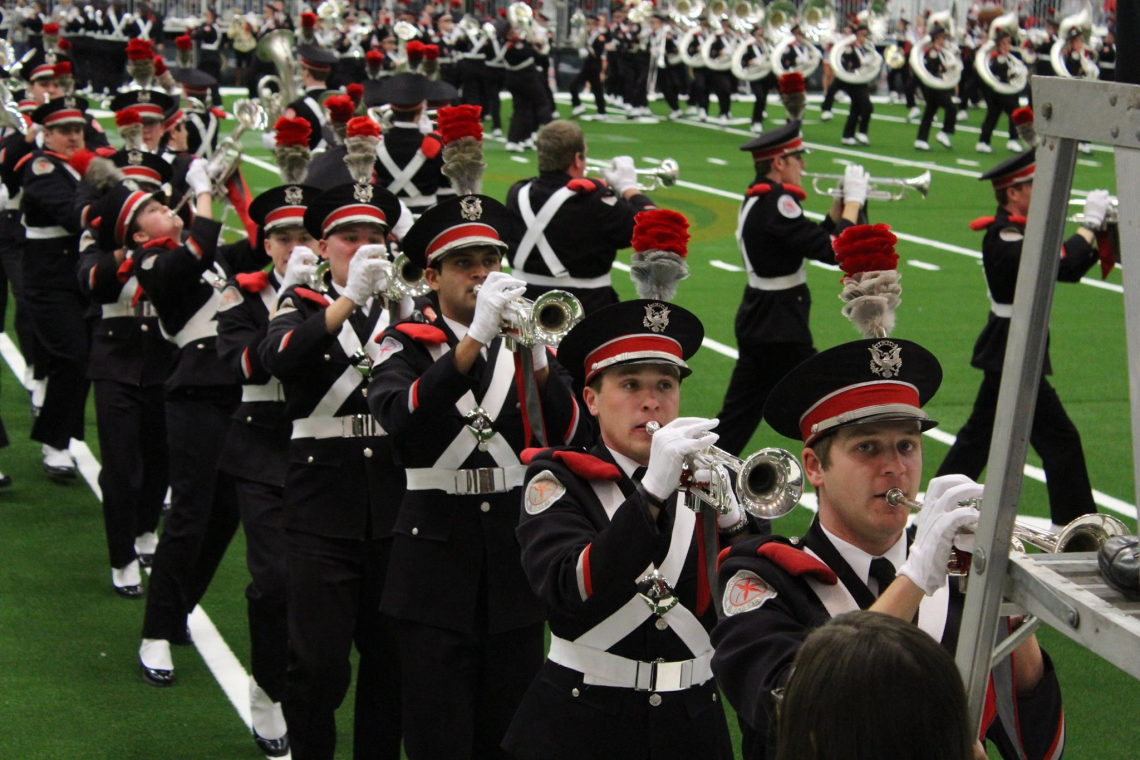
{"x":492,"y":72}
{"x":938,"y":61}
{"x":593,"y":55}
{"x":671,"y":73}
{"x":1106,"y":57}
{"x":43,"y":73}
{"x":1044,"y":47}
{"x":998,"y":103}
{"x":699,"y":86}
{"x":202,"y":124}
{"x":530,"y":109}
{"x":316,"y":65}
{"x":408,"y":161}
{"x":633,"y":50}
{"x":859,"y":119}
{"x":151,"y":107}
{"x":209,"y":39}
{"x":568,"y":228}
{"x":1053,"y":436}
{"x":759,"y":49}
{"x":722,"y":83}
{"x":775,"y":237}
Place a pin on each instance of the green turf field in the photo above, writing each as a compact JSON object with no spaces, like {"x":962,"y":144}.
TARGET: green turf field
{"x":68,"y":680}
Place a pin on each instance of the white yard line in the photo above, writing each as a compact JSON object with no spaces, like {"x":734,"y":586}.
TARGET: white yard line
{"x":924,"y":265}
{"x":726,"y":266}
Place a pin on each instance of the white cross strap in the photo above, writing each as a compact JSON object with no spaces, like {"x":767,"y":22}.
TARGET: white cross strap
{"x":536,"y":229}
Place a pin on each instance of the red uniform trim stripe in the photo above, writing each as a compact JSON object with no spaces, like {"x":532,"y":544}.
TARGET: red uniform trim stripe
{"x":587,"y":581}
{"x":308,"y":64}
{"x":357,"y":212}
{"x":143,"y":172}
{"x":134,"y":202}
{"x":285,"y":341}
{"x":284,"y":215}
{"x":92,"y":281}
{"x":573,"y":426}
{"x":245,"y":365}
{"x":790,"y":146}
{"x":453,"y":235}
{"x":1012,"y":179}
{"x":858,"y":397}
{"x":67,"y":114}
{"x":416,"y":394}
{"x":633,"y":345}
{"x":194,"y":247}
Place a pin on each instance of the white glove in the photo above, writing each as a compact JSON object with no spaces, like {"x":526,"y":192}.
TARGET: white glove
{"x":197,"y":177}
{"x":301,"y":269}
{"x":269,"y":140}
{"x":682,"y":436}
{"x":734,"y":515}
{"x":497,"y":291}
{"x":938,"y":526}
{"x":621,"y":174}
{"x":1096,"y":206}
{"x":34,"y":131}
{"x":364,"y":271}
{"x":855,"y":185}
{"x":377,"y":251}
{"x":538,"y":354}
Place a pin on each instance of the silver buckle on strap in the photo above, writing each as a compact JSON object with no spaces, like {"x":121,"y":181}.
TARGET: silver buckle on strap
{"x":664,"y":676}
{"x":359,"y":426}
{"x":481,"y":480}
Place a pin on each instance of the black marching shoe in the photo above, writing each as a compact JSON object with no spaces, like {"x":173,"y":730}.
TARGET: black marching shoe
{"x":58,"y":463}
{"x":272,"y":747}
{"x":158,"y":652}
{"x":130,"y":592}
{"x":127,"y":581}
{"x":156,"y":677}
{"x":5,"y":480}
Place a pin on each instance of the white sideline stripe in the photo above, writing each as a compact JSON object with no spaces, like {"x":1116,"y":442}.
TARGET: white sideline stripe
{"x":622,"y":266}
{"x":924,"y":265}
{"x":967,"y":162}
{"x":520,"y":160}
{"x":1112,"y":503}
{"x":726,"y":266}
{"x":717,"y":161}
{"x":217,"y":654}
{"x":1088,"y":162}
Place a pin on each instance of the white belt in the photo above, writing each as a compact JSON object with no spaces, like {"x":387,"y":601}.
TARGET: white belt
{"x":606,"y":280}
{"x":271,"y":391}
{"x":777,"y":283}
{"x":482,"y":480}
{"x":521,"y":66}
{"x":142,"y":310}
{"x":474,"y":56}
{"x":45,"y":233}
{"x":188,"y":336}
{"x":607,"y":669}
{"x":1004,"y":310}
{"x":349,"y":426}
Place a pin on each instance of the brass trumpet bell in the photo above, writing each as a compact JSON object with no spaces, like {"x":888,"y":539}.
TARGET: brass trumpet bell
{"x":664,"y":175}
{"x":546,"y":320}
{"x":919,"y":184}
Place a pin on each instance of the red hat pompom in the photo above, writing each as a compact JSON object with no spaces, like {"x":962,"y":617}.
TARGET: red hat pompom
{"x":1023,"y":115}
{"x":454,"y":122}
{"x":127,"y":117}
{"x":431,"y":52}
{"x":355,"y":92}
{"x":502,"y":13}
{"x":64,"y":45}
{"x":139,"y":50}
{"x":184,"y":42}
{"x":661,"y":230}
{"x":62,"y":69}
{"x":374,"y":58}
{"x":308,"y":19}
{"x":456,"y":3}
{"x":51,"y":29}
{"x":362,"y":126}
{"x":866,"y":248}
{"x":159,"y":65}
{"x":414,"y":50}
{"x":80,"y":160}
{"x":791,"y":82}
{"x":292,"y":131}
{"x":340,"y":108}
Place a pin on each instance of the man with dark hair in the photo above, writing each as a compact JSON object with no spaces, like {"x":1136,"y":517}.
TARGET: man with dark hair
{"x":316,"y":66}
{"x":938,"y":61}
{"x":567,"y":228}
{"x":408,"y":161}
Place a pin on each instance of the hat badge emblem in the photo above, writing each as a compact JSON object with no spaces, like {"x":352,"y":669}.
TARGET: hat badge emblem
{"x":69,"y":102}
{"x":471,"y":208}
{"x":656,"y":317}
{"x":294,"y":195}
{"x":134,"y":158}
{"x":144,"y":96}
{"x":130,"y":184}
{"x":886,"y":361}
{"x":362,"y":193}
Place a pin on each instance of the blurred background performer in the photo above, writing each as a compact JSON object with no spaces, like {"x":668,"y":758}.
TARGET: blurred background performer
{"x":857,"y":58}
{"x":776,"y":239}
{"x":1001,"y":68}
{"x":592,"y":51}
{"x":529,"y":107}
{"x":671,"y":74}
{"x":939,"y":62}
{"x":1053,"y":436}
{"x":316,"y":65}
{"x":757,"y":67}
{"x":408,"y":161}
{"x":568,"y":228}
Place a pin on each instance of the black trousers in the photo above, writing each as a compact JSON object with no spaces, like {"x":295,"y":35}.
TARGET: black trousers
{"x":136,"y":468}
{"x":474,"y":682}
{"x":760,"y":88}
{"x":471,"y":82}
{"x":721,"y":84}
{"x":11,"y":253}
{"x":670,"y":83}
{"x":996,"y":105}
{"x":492,"y":86}
{"x":896,"y":79}
{"x":265,"y":551}
{"x":591,"y":74}
{"x":936,"y":99}
{"x":699,"y":89}
{"x":62,"y":342}
{"x":1053,"y":436}
{"x":334,"y":590}
{"x":829,"y":94}
{"x":529,"y":104}
{"x":636,"y":80}
{"x":757,"y":371}
{"x":860,"y":117}
{"x":203,"y":515}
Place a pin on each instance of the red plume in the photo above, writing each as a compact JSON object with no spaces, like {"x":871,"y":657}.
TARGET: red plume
{"x":791,"y":82}
{"x":661,"y":230}
{"x":355,"y":92}
{"x":308,"y":20}
{"x":64,"y":45}
{"x":139,"y":50}
{"x":414,"y":50}
{"x":866,"y":248}
{"x":184,"y":42}
{"x":374,"y":58}
{"x":159,"y":65}
{"x":340,"y":108}
{"x":127,"y":117}
{"x":292,"y":131}
{"x":1023,"y":115}
{"x":62,"y":69}
{"x":51,"y":30}
{"x":431,"y":52}
{"x":502,"y":13}
{"x":454,"y":122}
{"x":362,"y":126}
{"x":80,"y":160}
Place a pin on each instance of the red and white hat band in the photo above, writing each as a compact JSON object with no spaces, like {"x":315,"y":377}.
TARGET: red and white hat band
{"x":856,"y":402}
{"x":352,"y":214}
{"x":791,"y":146}
{"x":135,"y":201}
{"x":462,"y":234}
{"x":66,"y":115}
{"x":1010,"y":180}
{"x":284,"y":216}
{"x":146,"y":110}
{"x":314,"y":65}
{"x":630,"y":348}
{"x":43,"y":70}
{"x":143,"y":173}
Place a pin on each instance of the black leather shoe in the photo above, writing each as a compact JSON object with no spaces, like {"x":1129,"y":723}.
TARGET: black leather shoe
{"x":5,"y":481}
{"x":156,"y":677}
{"x":186,"y":640}
{"x":129,"y":592}
{"x":273,"y":747}
{"x":145,"y":560}
{"x":67,"y":472}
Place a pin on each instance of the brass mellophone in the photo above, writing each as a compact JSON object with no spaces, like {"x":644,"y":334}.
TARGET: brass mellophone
{"x":920,"y":184}
{"x":665,"y":175}
{"x":407,"y":280}
{"x":768,"y":483}
{"x":545,"y":320}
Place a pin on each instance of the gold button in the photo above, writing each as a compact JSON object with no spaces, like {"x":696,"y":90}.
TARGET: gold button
{"x":145,"y":328}
{"x":110,"y":332}
{"x":201,"y":346}
{"x":249,"y":419}
{"x":655,"y":700}
{"x":415,"y":531}
{"x":485,"y":506}
{"x":574,"y":692}
{"x":661,"y":624}
{"x":368,"y":453}
{"x":327,"y":357}
{"x":310,"y":460}
{"x":714,"y":696}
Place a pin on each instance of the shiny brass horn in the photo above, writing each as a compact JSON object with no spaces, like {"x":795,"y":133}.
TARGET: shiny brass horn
{"x":545,"y":320}
{"x":919,"y":184}
{"x":407,"y":280}
{"x":664,"y":175}
{"x":226,"y":158}
{"x":277,"y":48}
{"x":1112,"y":216}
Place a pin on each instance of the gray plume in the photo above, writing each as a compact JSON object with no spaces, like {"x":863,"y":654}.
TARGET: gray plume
{"x":655,"y":274}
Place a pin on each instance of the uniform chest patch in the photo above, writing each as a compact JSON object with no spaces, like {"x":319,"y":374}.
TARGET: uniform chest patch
{"x":148,"y":262}
{"x":788,"y":207}
{"x":231,"y":297}
{"x":388,"y":348}
{"x":746,"y":591}
{"x":1011,"y":235}
{"x":42,"y":166}
{"x":542,"y":491}
{"x":609,"y":200}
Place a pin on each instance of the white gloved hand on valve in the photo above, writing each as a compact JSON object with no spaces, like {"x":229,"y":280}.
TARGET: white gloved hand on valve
{"x":734,"y":514}
{"x":1096,"y":208}
{"x":377,"y":251}
{"x":939,"y":523}
{"x":671,"y":444}
{"x":364,"y":271}
{"x":198,"y":178}
{"x":621,"y":174}
{"x":855,"y":185}
{"x":496,"y":292}
{"x":301,"y":269}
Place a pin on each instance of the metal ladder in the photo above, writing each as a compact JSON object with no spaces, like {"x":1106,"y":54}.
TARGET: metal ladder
{"x":1063,"y":591}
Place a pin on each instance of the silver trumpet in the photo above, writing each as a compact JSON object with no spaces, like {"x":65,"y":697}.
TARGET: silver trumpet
{"x":227,"y":157}
{"x":546,"y":320}
{"x":665,"y":175}
{"x":1087,"y":533}
{"x":919,"y":184}
{"x":1111,"y":217}
{"x":407,"y":280}
{"x":768,"y":483}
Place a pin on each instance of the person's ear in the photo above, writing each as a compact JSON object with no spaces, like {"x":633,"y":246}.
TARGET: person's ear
{"x":590,"y":396}
{"x":813,"y":467}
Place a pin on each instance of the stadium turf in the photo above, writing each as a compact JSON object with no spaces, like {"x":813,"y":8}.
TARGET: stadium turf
{"x":69,"y":685}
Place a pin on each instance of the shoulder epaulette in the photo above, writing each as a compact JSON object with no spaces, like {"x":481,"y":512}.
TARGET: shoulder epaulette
{"x":983,"y":222}
{"x":311,"y":295}
{"x":796,"y":562}
{"x":796,"y":192}
{"x":431,"y":145}
{"x":23,"y":160}
{"x":421,"y":332}
{"x":586,"y":185}
{"x":762,"y":188}
{"x":577,"y":461}
{"x":254,"y":282}
{"x":163,"y":242}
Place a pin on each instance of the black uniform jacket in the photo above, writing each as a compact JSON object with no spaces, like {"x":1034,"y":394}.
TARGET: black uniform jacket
{"x":336,"y":487}
{"x":127,"y":345}
{"x":774,"y":593}
{"x":302,"y":110}
{"x":52,"y":227}
{"x":328,"y":168}
{"x":1001,"y":256}
{"x":257,"y":445}
{"x":775,"y":239}
{"x":584,"y":552}
{"x":184,"y":283}
{"x":404,"y":141}
{"x":466,"y":541}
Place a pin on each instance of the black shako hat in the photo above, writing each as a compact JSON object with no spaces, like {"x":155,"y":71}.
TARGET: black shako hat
{"x":779,"y":142}
{"x":351,"y":204}
{"x":1013,"y":171}
{"x":282,"y":206}
{"x":57,"y":111}
{"x":143,"y":166}
{"x":462,"y":222}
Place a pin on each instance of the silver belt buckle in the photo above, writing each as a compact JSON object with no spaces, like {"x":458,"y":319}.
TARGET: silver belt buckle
{"x":482,"y":480}
{"x":664,"y":676}
{"x":357,"y":426}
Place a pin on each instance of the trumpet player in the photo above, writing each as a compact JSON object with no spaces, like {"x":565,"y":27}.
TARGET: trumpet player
{"x":1053,"y":435}
{"x":445,"y":390}
{"x":342,"y":488}
{"x":860,"y":422}
{"x":593,"y":519}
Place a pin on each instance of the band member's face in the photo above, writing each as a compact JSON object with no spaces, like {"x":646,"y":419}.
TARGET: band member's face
{"x":456,"y":276}
{"x":797,"y":34}
{"x":790,"y":169}
{"x":446,"y":25}
{"x":65,"y":139}
{"x":280,"y":243}
{"x":44,"y":89}
{"x":155,"y":221}
{"x":1019,"y":197}
{"x":861,"y":36}
{"x":179,"y":138}
{"x":1077,"y":42}
{"x":152,"y":133}
{"x":866,"y":461}
{"x":341,"y":246}
{"x":591,"y":24}
{"x":1003,"y":46}
{"x":939,"y":41}
{"x":629,"y":397}
{"x":389,"y":44}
